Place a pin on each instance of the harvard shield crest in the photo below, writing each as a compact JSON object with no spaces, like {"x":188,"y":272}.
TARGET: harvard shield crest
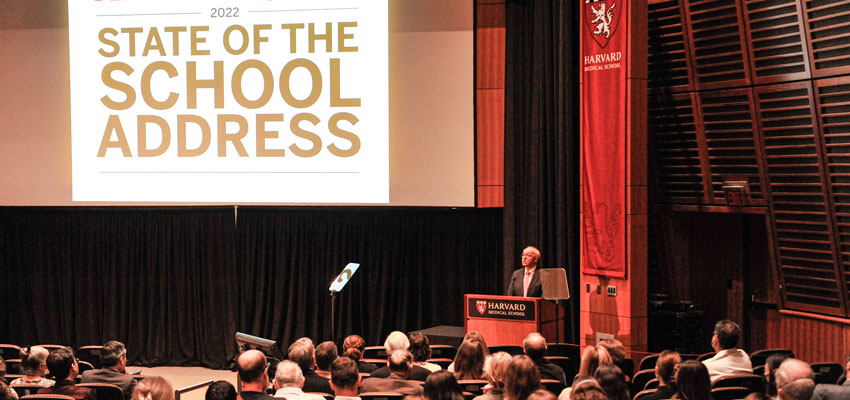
{"x":601,"y":18}
{"x":481,"y":306}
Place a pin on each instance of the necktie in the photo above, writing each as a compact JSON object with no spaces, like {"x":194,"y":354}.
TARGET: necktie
{"x":525,"y":281}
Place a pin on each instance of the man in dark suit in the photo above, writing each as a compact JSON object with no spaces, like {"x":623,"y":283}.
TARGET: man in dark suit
{"x":303,"y":353}
{"x":399,"y":341}
{"x":63,"y":365}
{"x":113,"y":360}
{"x":400,"y":363}
{"x":525,"y":281}
{"x":252,"y":368}
{"x":535,"y":348}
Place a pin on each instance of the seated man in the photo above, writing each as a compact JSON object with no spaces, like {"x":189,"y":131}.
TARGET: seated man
{"x":729,"y":359}
{"x":63,"y":365}
{"x":399,"y":341}
{"x":288,"y":381}
{"x":400,"y":364}
{"x":252,"y":369}
{"x":302,"y":353}
{"x":113,"y":360}
{"x":534,"y":346}
{"x":345,"y":379}
{"x":326,"y":353}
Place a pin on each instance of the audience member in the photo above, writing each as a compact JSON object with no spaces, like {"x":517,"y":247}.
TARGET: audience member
{"x":288,"y":381}
{"x":9,"y":392}
{"x":792,"y":370}
{"x":469,"y":360}
{"x":34,"y":366}
{"x":692,"y":381}
{"x":442,"y":385}
{"x":301,"y":352}
{"x":326,"y":353}
{"x":729,"y":359}
{"x":153,"y":388}
{"x":771,"y":364}
{"x":847,"y":372}
{"x":345,"y":379}
{"x":587,"y":389}
{"x":5,"y":391}
{"x":613,"y":382}
{"x":399,"y":341}
{"x":113,"y":360}
{"x":801,"y":389}
{"x":400,"y":364}
{"x":618,"y":356}
{"x":521,"y":378}
{"x":478,"y":337}
{"x":592,"y":358}
{"x":534,"y":346}
{"x":420,"y":346}
{"x":63,"y":365}
{"x":756,"y":396}
{"x":665,"y":369}
{"x":541,"y":394}
{"x":499,"y":363}
{"x":220,"y":390}
{"x":251,"y":369}
{"x":352,"y":347}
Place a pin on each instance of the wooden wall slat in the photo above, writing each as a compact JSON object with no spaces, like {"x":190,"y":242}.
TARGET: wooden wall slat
{"x":669,"y":61}
{"x":776,"y":41}
{"x":672,"y":123}
{"x":717,"y":39}
{"x":828,"y":34}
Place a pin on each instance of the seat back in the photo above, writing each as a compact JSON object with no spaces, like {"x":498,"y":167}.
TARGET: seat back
{"x":442,"y":362}
{"x":641,"y":378}
{"x":648,"y":362}
{"x":104,"y":391}
{"x":752,"y":382}
{"x":51,"y":347}
{"x":25,"y":390}
{"x":652,"y":384}
{"x":827,"y":372}
{"x":552,"y":385}
{"x":84,"y":366}
{"x":759,"y":357}
{"x":706,"y":356}
{"x":47,"y":397}
{"x":644,"y":394}
{"x":90,"y":354}
{"x":564,"y":350}
{"x":730,"y":393}
{"x":512,"y":350}
{"x":443,"y":351}
{"x":565,"y":363}
{"x":375,"y":352}
{"x":14,"y":367}
{"x":8,"y":351}
{"x":381,"y":396}
{"x":474,"y":386}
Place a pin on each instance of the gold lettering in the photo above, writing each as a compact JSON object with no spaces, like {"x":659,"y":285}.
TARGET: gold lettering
{"x":295,"y":127}
{"x":336,"y":100}
{"x":196,"y":40}
{"x":142,"y":127}
{"x":146,"y":85}
{"x":131,"y":32}
{"x":258,"y":38}
{"x":153,"y":36}
{"x":333,"y":127}
{"x":341,"y":36}
{"x":263,"y":134}
{"x":312,"y":37}
{"x":102,"y":36}
{"x":292,"y":28}
{"x":193,"y":84}
{"x":235,"y":138}
{"x":236,"y":84}
{"x":316,"y":78}
{"x":106,"y":77}
{"x":226,"y":39}
{"x":182,"y":120}
{"x":113,"y":124}
{"x":175,"y":37}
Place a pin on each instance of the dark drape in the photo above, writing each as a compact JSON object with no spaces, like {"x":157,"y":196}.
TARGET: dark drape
{"x":541,"y":138}
{"x":415,"y":266}
{"x":175,"y":284}
{"x":158,"y":279}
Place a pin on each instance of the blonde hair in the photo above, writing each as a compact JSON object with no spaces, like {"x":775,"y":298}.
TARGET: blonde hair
{"x":499,"y":363}
{"x":153,"y":388}
{"x":592,"y":358}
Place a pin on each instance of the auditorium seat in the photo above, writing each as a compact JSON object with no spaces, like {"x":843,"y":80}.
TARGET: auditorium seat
{"x":566,"y":364}
{"x":652,"y":384}
{"x":827,"y":372}
{"x":14,"y":366}
{"x":51,"y":347}
{"x":552,"y":385}
{"x":375,"y":352}
{"x":729,"y":393}
{"x":512,"y":350}
{"x":443,"y":351}
{"x":641,"y":378}
{"x":25,"y":390}
{"x":474,"y":386}
{"x":442,"y":362}
{"x":84,"y":366}
{"x":10,"y":351}
{"x":752,"y":382}
{"x":90,"y":354}
{"x":706,"y":356}
{"x":47,"y":397}
{"x":104,"y":391}
{"x":381,"y":396}
{"x":759,"y":357}
{"x":644,"y":393}
{"x":758,"y":370}
{"x":648,"y":362}
{"x":570,"y":351}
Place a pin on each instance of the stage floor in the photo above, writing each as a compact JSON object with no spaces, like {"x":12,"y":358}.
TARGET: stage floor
{"x":185,"y":376}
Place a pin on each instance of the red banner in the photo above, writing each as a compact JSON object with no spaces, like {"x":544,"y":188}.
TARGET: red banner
{"x":603,"y":136}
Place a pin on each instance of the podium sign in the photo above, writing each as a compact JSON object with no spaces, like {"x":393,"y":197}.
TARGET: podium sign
{"x":488,"y":307}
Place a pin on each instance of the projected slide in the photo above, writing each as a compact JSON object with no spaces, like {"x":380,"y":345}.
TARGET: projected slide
{"x":241,"y":101}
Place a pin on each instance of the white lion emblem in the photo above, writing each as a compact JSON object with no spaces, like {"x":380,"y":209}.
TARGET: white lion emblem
{"x":604,"y":17}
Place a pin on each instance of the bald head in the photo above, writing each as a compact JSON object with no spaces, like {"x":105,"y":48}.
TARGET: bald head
{"x":791,"y":370}
{"x":530,"y":255}
{"x":251,"y":366}
{"x":534,"y":345}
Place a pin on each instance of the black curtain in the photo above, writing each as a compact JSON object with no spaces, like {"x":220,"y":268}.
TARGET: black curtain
{"x":158,"y":279}
{"x":541,"y":139}
{"x":415,"y":266}
{"x":175,"y":284}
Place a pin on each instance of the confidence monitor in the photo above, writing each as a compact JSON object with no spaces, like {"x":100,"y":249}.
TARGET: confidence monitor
{"x":554,"y":282}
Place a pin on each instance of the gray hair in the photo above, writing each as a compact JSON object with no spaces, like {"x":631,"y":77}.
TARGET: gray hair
{"x":288,"y":374}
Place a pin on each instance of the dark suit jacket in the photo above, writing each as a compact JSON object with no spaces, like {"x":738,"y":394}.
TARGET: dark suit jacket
{"x":392,"y":384}
{"x":548,"y":370}
{"x":535,"y":288}
{"x":68,"y":388}
{"x":315,"y":383}
{"x":828,"y":392}
{"x":106,"y":375}
{"x":416,"y":374}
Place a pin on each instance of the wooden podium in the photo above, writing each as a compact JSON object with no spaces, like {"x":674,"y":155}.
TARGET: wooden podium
{"x":507,"y":320}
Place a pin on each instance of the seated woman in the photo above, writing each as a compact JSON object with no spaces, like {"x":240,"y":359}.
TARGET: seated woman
{"x":420,"y":346}
{"x":33,"y":362}
{"x":499,"y":363}
{"x":474,"y":335}
{"x":521,"y":379}
{"x":352,"y":347}
{"x":469,"y":361}
{"x":153,"y":388}
{"x":613,"y":382}
{"x":692,"y":381}
{"x":442,"y":385}
{"x":665,"y":369}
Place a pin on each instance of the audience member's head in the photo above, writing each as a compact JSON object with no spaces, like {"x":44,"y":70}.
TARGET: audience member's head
{"x":541,"y":394}
{"x":154,"y":388}
{"x":326,"y":353}
{"x":5,"y":391}
{"x":301,"y":353}
{"x":442,"y":385}
{"x":800,"y":389}
{"x":789,"y":371}
{"x":420,"y":346}
{"x":726,"y":335}
{"x":396,"y":341}
{"x":617,"y":352}
{"x":113,"y":354}
{"x":469,"y":360}
{"x":62,"y":364}
{"x":613,"y":382}
{"x":2,"y":368}
{"x":288,"y":374}
{"x":692,"y":381}
{"x":478,"y":337}
{"x":220,"y":390}
{"x":756,"y":396}
{"x":499,"y":362}
{"x":400,"y":363}
{"x":534,"y":345}
{"x":352,"y":347}
{"x":592,"y":358}
{"x":666,"y":365}
{"x":345,"y":377}
{"x":587,"y":389}
{"x":770,"y":366}
{"x":34,"y":360}
{"x":521,"y":379}
{"x":251,"y":369}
